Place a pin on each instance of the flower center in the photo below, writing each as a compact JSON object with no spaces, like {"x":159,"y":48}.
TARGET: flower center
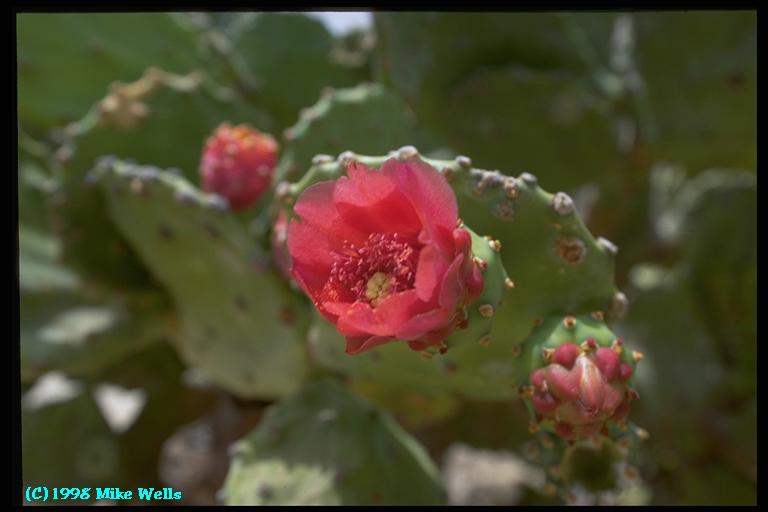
{"x":383,"y":265}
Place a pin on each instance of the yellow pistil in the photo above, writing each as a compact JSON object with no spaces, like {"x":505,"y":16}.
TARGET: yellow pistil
{"x":377,"y":288}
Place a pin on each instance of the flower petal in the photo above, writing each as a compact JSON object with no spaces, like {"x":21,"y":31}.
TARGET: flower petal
{"x":311,"y":255}
{"x":315,"y":206}
{"x":429,"y":193}
{"x":369,"y":201}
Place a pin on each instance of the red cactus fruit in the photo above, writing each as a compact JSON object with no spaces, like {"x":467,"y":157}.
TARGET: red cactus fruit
{"x":238,"y":163}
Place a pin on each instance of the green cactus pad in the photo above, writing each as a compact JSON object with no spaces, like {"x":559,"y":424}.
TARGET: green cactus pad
{"x":325,"y":446}
{"x":91,"y":51}
{"x":259,"y":50}
{"x":364,"y":119}
{"x":182,"y":112}
{"x":239,"y":325}
{"x":558,"y":267}
{"x":62,"y":331}
{"x":685,"y":61}
{"x":39,"y":270}
{"x":69,"y":444}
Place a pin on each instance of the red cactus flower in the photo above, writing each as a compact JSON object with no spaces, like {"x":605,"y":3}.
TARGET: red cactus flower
{"x":238,"y":163}
{"x":380,"y":255}
{"x":581,"y":389}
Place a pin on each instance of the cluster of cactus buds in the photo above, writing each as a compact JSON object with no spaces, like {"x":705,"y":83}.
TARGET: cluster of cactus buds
{"x":581,"y":379}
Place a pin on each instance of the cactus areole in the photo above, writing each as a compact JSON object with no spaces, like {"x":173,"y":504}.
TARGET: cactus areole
{"x":237,"y":164}
{"x":381,"y":256}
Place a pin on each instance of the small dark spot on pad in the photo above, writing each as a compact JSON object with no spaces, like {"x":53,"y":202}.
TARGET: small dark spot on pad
{"x":165,"y":232}
{"x":211,"y":231}
{"x":240,"y":303}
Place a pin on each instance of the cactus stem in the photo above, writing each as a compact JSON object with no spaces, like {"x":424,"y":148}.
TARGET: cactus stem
{"x":509,"y":283}
{"x":598,"y":315}
{"x":486,"y":310}
{"x":637,"y":356}
{"x":538,"y":321}
{"x":569,"y":322}
{"x":529,"y":178}
{"x":495,"y":245}
{"x":516,"y":351}
{"x":547,"y":353}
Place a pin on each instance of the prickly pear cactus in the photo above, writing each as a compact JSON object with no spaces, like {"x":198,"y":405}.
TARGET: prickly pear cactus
{"x":324,"y":446}
{"x":562,"y":269}
{"x":468,"y":298}
{"x":231,"y":307}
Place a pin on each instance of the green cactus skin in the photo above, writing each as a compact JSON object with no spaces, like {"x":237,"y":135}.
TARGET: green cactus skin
{"x":39,"y":270}
{"x":514,"y":96}
{"x":100,"y":46}
{"x":62,"y":331}
{"x":367,"y":119}
{"x":256,"y":49}
{"x":326,"y":446}
{"x":238,"y":325}
{"x":595,"y":471}
{"x":720,"y":47}
{"x":560,"y":267}
{"x":181,"y":111}
{"x":69,"y":444}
